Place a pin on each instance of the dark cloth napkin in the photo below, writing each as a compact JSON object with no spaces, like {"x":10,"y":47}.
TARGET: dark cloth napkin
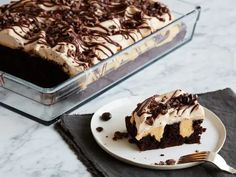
{"x":75,"y":130}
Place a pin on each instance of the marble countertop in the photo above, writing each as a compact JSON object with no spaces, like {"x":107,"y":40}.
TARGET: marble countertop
{"x":207,"y":63}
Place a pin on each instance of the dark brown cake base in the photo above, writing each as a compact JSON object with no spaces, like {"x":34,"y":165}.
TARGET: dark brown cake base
{"x":171,"y":136}
{"x":38,"y":71}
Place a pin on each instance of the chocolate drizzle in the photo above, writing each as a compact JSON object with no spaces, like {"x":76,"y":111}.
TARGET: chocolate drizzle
{"x":156,"y":108}
{"x":194,"y":107}
{"x":77,"y":22}
{"x":140,"y":107}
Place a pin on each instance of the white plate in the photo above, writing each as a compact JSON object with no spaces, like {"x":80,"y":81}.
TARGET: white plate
{"x":212,"y":140}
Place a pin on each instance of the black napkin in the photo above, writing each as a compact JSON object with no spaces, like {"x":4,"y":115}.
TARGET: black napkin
{"x":75,"y":129}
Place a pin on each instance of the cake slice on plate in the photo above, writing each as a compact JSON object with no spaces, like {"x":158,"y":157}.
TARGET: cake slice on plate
{"x":166,"y":120}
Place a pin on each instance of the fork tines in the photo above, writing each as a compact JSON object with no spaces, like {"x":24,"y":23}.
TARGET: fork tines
{"x":195,"y":157}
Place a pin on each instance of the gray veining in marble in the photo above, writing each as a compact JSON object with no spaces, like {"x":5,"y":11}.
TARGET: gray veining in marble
{"x":208,"y":63}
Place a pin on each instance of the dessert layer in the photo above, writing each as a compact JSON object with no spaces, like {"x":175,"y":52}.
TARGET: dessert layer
{"x":78,"y":34}
{"x":152,"y":115}
{"x":171,"y":136}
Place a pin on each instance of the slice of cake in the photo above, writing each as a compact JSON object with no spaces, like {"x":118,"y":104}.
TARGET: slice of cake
{"x":170,"y":119}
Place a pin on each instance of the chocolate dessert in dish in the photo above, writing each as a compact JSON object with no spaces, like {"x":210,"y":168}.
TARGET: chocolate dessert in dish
{"x":49,"y":41}
{"x":167,"y":120}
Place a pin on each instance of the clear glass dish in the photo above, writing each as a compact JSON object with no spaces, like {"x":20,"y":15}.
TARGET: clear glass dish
{"x":47,"y":104}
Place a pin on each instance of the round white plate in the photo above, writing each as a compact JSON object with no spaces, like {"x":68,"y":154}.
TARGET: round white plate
{"x":211,"y":140}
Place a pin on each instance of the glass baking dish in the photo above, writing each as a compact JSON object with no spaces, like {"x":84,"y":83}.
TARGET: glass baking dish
{"x":47,"y":104}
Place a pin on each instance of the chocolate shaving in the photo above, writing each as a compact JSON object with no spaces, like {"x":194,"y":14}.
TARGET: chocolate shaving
{"x":120,"y":135}
{"x":160,"y":163}
{"x":99,"y":129}
{"x":161,"y":108}
{"x":106,"y":116}
{"x":167,"y":162}
{"x":170,"y":162}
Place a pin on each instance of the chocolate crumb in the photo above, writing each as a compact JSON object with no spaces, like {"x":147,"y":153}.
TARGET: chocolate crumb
{"x":106,"y":116}
{"x":160,"y":163}
{"x":106,"y":136}
{"x":170,"y":162}
{"x":131,"y":141}
{"x":112,"y":27}
{"x":197,"y":151}
{"x":149,"y":121}
{"x":99,"y":129}
{"x":162,"y":155}
{"x":120,"y":135}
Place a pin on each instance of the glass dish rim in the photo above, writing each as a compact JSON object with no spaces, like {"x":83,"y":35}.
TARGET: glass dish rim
{"x":74,"y":78}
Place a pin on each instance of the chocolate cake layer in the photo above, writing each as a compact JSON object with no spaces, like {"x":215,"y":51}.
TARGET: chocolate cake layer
{"x":171,"y":136}
{"x":43,"y":73}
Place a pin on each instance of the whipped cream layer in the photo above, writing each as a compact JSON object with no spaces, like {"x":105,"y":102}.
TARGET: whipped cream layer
{"x":78,"y":34}
{"x":152,"y":115}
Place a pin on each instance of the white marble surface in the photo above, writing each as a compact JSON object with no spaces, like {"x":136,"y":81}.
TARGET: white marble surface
{"x":208,"y":63}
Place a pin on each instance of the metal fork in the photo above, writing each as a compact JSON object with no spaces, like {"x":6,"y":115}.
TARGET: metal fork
{"x":212,"y":157}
